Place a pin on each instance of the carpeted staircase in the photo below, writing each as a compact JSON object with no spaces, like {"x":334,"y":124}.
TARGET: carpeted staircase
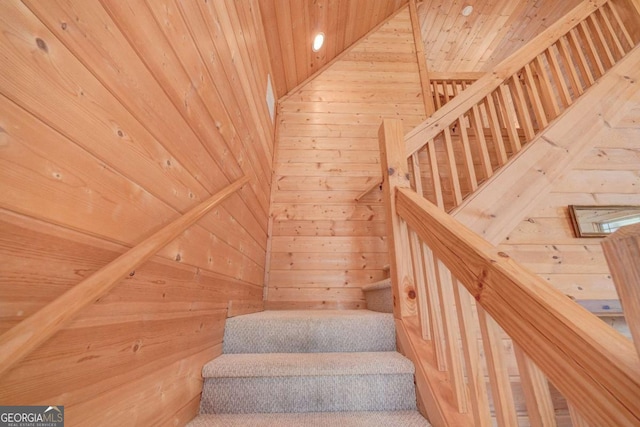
{"x":309,"y":368}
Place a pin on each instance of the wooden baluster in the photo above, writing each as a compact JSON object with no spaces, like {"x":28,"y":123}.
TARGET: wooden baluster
{"x":455,"y":84}
{"x":621,"y":25}
{"x":612,"y":33}
{"x":421,"y":284}
{"x":453,"y":168}
{"x":498,"y":374}
{"x":418,"y":263}
{"x":546,"y":87}
{"x":476,"y":124}
{"x":496,"y":131}
{"x":412,"y":172}
{"x":445,"y":88}
{"x":510,"y":117}
{"x":417,"y":173}
{"x":524,"y":118}
{"x":583,"y":64}
{"x":592,"y":51}
{"x":468,"y":156}
{"x":475,"y":374}
{"x":622,"y":251}
{"x":577,"y":420}
{"x":536,"y":391}
{"x":436,"y":87}
{"x":534,"y":97}
{"x":554,"y":66}
{"x":454,"y":362}
{"x":497,"y":101}
{"x":570,"y":67}
{"x":435,"y":174}
{"x":605,"y":51}
{"x":437,"y":329}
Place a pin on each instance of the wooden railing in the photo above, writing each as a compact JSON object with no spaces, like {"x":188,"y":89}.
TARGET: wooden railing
{"x":471,"y":136}
{"x":443,"y":87}
{"x":29,"y":334}
{"x":446,"y":86}
{"x":459,"y":284}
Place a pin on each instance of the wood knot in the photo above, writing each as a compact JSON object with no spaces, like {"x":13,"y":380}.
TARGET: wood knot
{"x":411,"y":294}
{"x":133,"y":273}
{"x":503,"y":254}
{"x":42,"y":45}
{"x":391,"y":171}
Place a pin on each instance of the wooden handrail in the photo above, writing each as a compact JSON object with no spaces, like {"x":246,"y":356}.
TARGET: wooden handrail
{"x":456,"y":75}
{"x":593,"y":366}
{"x":369,"y":189}
{"x":29,"y":334}
{"x":451,"y":111}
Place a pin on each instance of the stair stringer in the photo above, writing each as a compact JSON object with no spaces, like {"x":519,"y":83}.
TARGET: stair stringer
{"x":502,"y":202}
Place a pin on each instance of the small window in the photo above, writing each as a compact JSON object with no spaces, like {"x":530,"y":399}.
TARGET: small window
{"x":600,"y":221}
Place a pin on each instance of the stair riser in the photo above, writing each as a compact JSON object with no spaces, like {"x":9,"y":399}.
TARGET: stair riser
{"x":379,"y":300}
{"x":308,"y":394}
{"x":310,"y":336}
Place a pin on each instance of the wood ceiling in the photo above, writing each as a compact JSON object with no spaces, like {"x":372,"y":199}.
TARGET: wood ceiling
{"x":452,"y":42}
{"x":291,"y":25}
{"x":495,"y":30}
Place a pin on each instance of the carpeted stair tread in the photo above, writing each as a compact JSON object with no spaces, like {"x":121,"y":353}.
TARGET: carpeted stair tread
{"x":307,"y":364}
{"x":310,"y":331}
{"x":314,"y":419}
{"x":381,"y":284}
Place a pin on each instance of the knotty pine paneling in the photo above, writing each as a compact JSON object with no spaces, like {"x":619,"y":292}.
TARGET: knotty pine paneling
{"x":324,"y":244}
{"x":544,"y":241}
{"x":115,"y":118}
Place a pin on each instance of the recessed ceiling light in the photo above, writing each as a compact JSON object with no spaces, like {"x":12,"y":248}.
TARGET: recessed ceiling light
{"x":318,"y":41}
{"x":466,"y":11}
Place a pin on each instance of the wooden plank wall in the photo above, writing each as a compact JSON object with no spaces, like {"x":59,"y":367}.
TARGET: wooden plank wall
{"x":324,"y":245}
{"x":544,"y":241}
{"x":115,"y":117}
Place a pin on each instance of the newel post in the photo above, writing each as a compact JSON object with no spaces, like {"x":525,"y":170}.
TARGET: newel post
{"x":622,"y":251}
{"x":393,"y":161}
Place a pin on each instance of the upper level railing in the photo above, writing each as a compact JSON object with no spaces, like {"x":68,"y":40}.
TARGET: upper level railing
{"x":460,"y":284}
{"x":471,"y":136}
{"x":443,"y":87}
{"x":32,"y":332}
{"x":446,"y":86}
